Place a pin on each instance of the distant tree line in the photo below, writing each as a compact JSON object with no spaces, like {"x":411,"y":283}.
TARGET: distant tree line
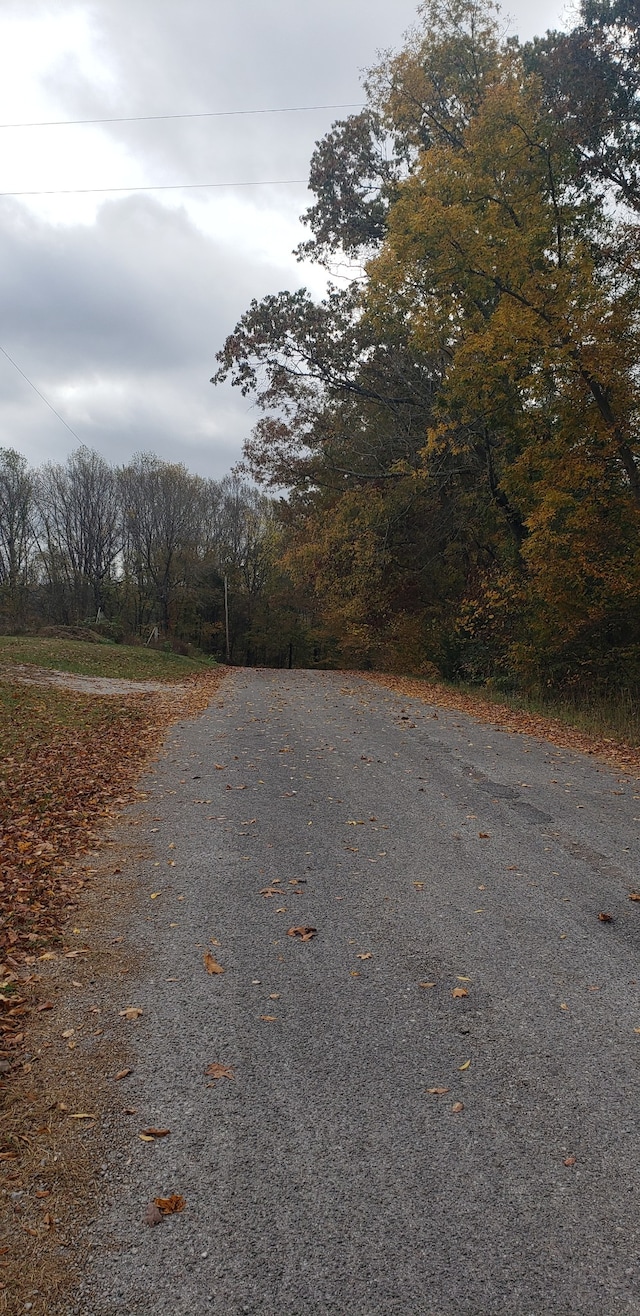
{"x":142,"y":551}
{"x":458,"y":424}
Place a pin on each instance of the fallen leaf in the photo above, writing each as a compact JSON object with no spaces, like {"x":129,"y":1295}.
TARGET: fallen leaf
{"x":131,"y":1012}
{"x":419,"y":886}
{"x":457,"y":1107}
{"x":83,"y":1116}
{"x":68,"y":1032}
{"x":210,"y":964}
{"x":170,"y":1205}
{"x":437,"y":1092}
{"x":571,"y":1160}
{"x":123,"y":1073}
{"x":633,"y":895}
{"x":304,"y":933}
{"x":47,"y":1005}
{"x":219,"y":767}
{"x":282,"y":910}
{"x":459,"y":992}
{"x":155,"y":894}
{"x":563,"y":1006}
{"x":268,"y":1018}
{"x":461,"y":979}
{"x":464,"y":1066}
{"x":274,"y":996}
{"x":426,"y":984}
{"x":355,"y":973}
{"x":215,"y":1070}
{"x":365,"y":955}
{"x":155,"y":1133}
{"x":152,"y":1215}
{"x":605,"y":918}
{"x":484,"y":836}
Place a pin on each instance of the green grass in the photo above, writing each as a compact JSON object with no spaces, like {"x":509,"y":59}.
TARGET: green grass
{"x":613,"y":716}
{"x":85,"y":659}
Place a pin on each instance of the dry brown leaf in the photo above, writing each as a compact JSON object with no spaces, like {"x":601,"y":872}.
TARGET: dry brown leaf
{"x":457,"y":1107}
{"x":459,"y":992}
{"x":484,"y":836}
{"x":605,"y":918}
{"x":304,"y":933}
{"x":210,"y":964}
{"x":46,"y":1005}
{"x":571,"y":1160}
{"x":437,"y":1092}
{"x":268,"y":1018}
{"x":634,"y":895}
{"x":123,"y":1073}
{"x":365,"y":955}
{"x":82,"y":1116}
{"x":215,"y":1070}
{"x":156,"y":1133}
{"x":426,"y":984}
{"x":464,"y":1066}
{"x":419,"y":886}
{"x":131,"y":1012}
{"x":170,"y":1205}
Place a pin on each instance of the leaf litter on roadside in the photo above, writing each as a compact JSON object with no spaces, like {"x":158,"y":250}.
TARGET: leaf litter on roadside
{"x":303,"y":933}
{"x":172,"y":1205}
{"x":210,"y":964}
{"x":216,"y":1071}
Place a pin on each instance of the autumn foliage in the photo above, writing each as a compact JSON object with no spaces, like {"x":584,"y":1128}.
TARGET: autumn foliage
{"x":458,"y":427}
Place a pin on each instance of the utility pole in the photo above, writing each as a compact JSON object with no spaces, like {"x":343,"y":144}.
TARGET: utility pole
{"x":226,"y":615}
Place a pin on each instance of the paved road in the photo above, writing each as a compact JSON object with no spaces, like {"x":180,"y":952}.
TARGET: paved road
{"x":326,"y":1178}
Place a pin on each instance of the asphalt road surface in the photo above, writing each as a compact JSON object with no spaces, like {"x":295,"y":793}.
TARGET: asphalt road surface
{"x":434,"y":856}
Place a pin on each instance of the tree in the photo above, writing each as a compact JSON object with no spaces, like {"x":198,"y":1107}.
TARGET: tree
{"x":80,"y":531}
{"x":17,"y":538}
{"x":163,"y":507}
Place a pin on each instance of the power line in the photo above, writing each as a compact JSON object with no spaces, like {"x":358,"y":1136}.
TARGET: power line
{"x":41,"y":395}
{"x":205,"y":114}
{"x":159,"y":187}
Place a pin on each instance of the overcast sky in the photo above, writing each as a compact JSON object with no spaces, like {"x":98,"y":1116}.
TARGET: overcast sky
{"x":115,"y":304}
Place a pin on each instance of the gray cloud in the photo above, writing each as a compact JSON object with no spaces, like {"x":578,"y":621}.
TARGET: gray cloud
{"x":118,"y":321}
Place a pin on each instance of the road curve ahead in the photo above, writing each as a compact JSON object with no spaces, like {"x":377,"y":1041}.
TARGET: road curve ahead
{"x":434,"y":1101}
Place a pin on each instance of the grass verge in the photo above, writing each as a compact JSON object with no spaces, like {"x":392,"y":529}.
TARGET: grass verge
{"x":69,"y":763}
{"x":126,"y":662}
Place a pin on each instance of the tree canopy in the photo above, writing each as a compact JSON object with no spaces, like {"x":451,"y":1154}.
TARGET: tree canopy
{"x":458,"y":427}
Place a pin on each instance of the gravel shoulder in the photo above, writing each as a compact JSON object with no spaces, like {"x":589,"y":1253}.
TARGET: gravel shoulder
{"x":383,"y":1146}
{"x":28,"y":674}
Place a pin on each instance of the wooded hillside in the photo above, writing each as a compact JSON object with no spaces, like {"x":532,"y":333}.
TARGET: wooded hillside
{"x":457,"y":423}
